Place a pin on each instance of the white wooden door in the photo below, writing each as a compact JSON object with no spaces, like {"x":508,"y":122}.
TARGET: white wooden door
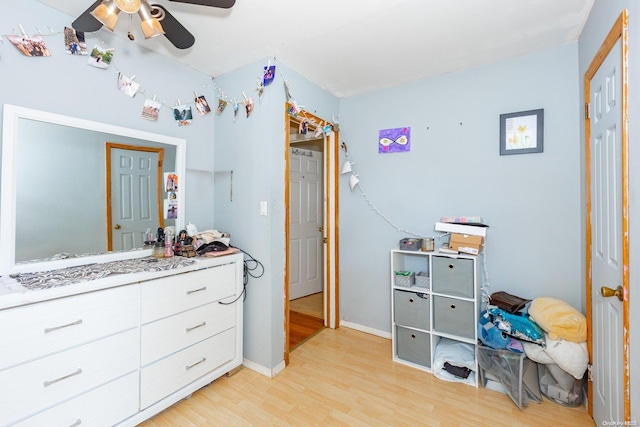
{"x":305,"y":227}
{"x":134,"y":197}
{"x":607,"y":238}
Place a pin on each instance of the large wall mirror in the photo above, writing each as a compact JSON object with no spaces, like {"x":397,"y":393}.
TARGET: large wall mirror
{"x":76,"y":192}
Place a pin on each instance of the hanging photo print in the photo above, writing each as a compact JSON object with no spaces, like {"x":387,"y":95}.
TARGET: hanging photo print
{"x":100,"y":58}
{"x":171,"y":182}
{"x":30,"y":46}
{"x":74,"y":42}
{"x":151,"y":110}
{"x":222,"y":104}
{"x":260,"y":90}
{"x":394,"y":140}
{"x":183,"y":115}
{"x":304,"y":127}
{"x":202,"y":106}
{"x":248,"y":105}
{"x":269,"y":75}
{"x":170,"y":210}
{"x":236,"y":107}
{"x":127,"y":86}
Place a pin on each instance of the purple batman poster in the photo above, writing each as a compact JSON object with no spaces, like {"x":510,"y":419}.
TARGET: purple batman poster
{"x":394,"y":140}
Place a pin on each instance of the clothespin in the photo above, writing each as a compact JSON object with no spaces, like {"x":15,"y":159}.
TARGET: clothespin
{"x":51,"y":30}
{"x":39,"y":32}
{"x":154,"y":97}
{"x":22,"y":31}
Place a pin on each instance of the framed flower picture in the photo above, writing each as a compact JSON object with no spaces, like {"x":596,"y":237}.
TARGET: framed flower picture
{"x":522,"y":132}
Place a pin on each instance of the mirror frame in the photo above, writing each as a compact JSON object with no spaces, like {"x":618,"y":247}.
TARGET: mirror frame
{"x":10,"y":132}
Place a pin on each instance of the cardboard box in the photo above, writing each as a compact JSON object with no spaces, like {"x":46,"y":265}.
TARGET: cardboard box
{"x":466,"y":243}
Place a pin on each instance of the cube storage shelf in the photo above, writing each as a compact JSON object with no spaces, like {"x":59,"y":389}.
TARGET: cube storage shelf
{"x":446,"y":305}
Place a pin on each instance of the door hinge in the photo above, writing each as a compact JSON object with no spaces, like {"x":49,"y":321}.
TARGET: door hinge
{"x":587,"y":108}
{"x":590,"y":372}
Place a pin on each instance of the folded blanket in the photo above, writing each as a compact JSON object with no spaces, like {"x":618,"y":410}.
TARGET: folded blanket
{"x":559,"y":319}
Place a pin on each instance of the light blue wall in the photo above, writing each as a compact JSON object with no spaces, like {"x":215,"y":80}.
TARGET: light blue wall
{"x":531,"y":202}
{"x":66,"y":85}
{"x":254,"y":149}
{"x":602,"y":17}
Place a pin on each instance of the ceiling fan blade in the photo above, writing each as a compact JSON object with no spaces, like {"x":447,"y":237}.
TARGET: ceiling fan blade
{"x":225,"y":4}
{"x":87,"y":23}
{"x":178,"y":35}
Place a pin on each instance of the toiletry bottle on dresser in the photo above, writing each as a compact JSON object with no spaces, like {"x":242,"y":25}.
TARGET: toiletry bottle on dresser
{"x":168,"y":246}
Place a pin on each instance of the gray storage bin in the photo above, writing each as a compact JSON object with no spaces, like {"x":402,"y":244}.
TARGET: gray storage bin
{"x":454,"y":317}
{"x":453,"y":276}
{"x":422,"y":280}
{"x":405,"y":281}
{"x":411,"y":309}
{"x":413,"y":346}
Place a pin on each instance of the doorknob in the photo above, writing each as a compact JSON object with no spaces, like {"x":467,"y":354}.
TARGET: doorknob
{"x":117,"y":227}
{"x":608,"y":292}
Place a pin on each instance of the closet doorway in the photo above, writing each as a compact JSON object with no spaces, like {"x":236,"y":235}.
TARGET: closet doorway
{"x":311,"y":235}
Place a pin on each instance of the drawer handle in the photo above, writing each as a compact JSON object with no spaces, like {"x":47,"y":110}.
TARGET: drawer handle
{"x":77,"y":423}
{"x":204,"y":359}
{"x":204,"y":288}
{"x":453,"y":306}
{"x":55,"y":328}
{"x":73,"y":374}
{"x":196,"y":327}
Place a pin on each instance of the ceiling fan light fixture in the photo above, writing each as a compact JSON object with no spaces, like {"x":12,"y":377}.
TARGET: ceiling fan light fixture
{"x":128,"y":6}
{"x":149,"y":24}
{"x":107,"y":13}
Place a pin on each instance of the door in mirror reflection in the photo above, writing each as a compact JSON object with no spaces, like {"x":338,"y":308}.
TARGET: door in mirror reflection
{"x":133,"y":194}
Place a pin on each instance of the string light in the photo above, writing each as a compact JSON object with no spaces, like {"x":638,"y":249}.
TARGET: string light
{"x":218,"y":92}
{"x":348,"y":168}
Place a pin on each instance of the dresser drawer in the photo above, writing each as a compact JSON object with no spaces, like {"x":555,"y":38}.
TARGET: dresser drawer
{"x":37,"y":385}
{"x":102,"y":407}
{"x":176,"y":371}
{"x":453,"y":276}
{"x":454,"y":317}
{"x":32,"y":331}
{"x":411,"y":309}
{"x":170,"y":295}
{"x":171,"y":334}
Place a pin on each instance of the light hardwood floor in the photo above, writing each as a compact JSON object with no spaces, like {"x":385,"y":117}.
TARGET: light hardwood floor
{"x":310,"y":305}
{"x":345,"y":377}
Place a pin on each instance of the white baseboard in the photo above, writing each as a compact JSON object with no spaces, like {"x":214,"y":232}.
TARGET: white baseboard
{"x":271,"y":373}
{"x":366,"y":329}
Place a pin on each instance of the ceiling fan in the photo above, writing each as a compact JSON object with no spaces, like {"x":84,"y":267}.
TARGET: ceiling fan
{"x":155,"y":19}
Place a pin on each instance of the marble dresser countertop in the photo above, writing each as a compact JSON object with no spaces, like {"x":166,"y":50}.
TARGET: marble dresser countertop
{"x":13,"y":294}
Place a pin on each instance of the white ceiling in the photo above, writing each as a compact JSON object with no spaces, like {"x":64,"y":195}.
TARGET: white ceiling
{"x":354,"y":46}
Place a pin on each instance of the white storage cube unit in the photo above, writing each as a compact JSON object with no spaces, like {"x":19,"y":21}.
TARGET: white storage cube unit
{"x":447,"y":308}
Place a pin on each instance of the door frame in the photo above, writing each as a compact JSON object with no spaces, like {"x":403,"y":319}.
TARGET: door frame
{"x":330,"y":219}
{"x":618,"y":31}
{"x":114,"y":145}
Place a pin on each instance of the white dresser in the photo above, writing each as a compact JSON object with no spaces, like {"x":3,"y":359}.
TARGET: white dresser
{"x":123,"y":351}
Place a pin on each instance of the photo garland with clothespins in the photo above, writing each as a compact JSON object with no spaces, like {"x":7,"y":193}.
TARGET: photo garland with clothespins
{"x":75,"y":43}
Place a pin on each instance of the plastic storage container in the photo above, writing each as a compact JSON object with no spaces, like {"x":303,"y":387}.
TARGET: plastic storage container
{"x":509,"y":372}
{"x":559,"y":386}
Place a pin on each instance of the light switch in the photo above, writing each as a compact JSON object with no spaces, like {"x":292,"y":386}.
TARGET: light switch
{"x":263,"y":207}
